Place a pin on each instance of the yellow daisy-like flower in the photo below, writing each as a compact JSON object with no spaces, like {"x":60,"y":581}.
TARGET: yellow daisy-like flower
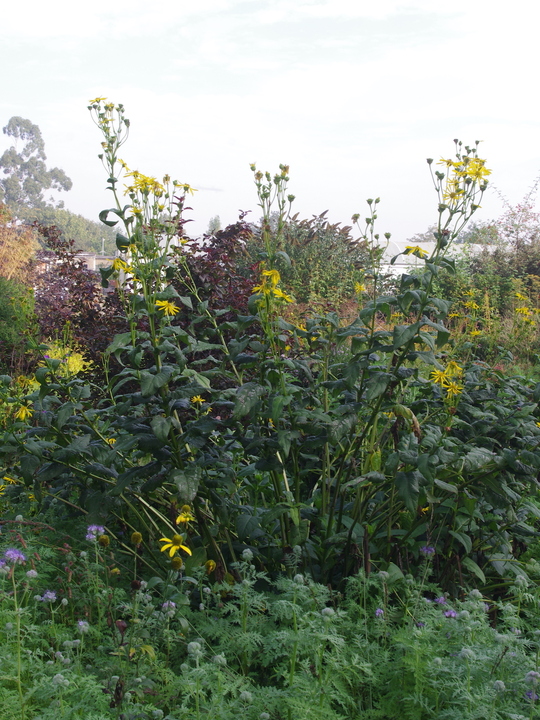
{"x":475,"y":333}
{"x":197,"y":400}
{"x":439,"y":377}
{"x":519,"y":296}
{"x":168,"y":307}
{"x":96,"y":101}
{"x":453,"y":315}
{"x":469,"y":293}
{"x":110,"y":441}
{"x":523,"y":311}
{"x":9,"y":480}
{"x":185,"y":515}
{"x":415,"y":250}
{"x":174,"y":544}
{"x":453,"y":388}
{"x":359,"y":288}
{"x":538,"y":424}
{"x":471,"y":305}
{"x":23,"y":413}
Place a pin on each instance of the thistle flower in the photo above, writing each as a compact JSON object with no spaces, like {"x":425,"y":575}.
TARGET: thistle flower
{"x":93,"y":531}
{"x":15,"y":556}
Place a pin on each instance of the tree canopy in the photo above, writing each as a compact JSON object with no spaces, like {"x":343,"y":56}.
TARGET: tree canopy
{"x":26,"y":177}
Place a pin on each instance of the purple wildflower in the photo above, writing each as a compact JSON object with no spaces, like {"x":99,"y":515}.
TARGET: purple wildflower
{"x":83,"y":626}
{"x":93,"y":531}
{"x":420,"y":624}
{"x":450,"y":613}
{"x":15,"y":556}
{"x":48,"y":596}
{"x":379,"y":612}
{"x":531,"y":695}
{"x":427,"y":550}
{"x":168,"y":605}
{"x":441,"y":600}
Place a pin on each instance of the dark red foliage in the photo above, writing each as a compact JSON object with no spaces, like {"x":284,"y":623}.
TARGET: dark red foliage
{"x":67,"y":291}
{"x":214,"y":265}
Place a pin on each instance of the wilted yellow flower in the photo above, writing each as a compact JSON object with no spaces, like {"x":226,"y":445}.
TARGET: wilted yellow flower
{"x":185,"y":515}
{"x":519,"y":296}
{"x":280,"y":294}
{"x":210,"y":566}
{"x":174,"y":544}
{"x":168,"y":307}
{"x":415,"y":250}
{"x":453,"y":369}
{"x":274,"y":276}
{"x":115,"y":571}
{"x":110,"y":441}
{"x":23,"y":413}
{"x":119,"y":264}
{"x":9,"y":480}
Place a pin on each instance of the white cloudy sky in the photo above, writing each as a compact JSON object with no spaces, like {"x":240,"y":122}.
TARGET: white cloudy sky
{"x":352,"y":94}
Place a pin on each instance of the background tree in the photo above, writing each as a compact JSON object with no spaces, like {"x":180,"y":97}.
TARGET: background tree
{"x":18,"y":246}
{"x":26,"y":174}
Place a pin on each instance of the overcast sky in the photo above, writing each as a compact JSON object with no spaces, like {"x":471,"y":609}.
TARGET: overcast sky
{"x":353,"y":95}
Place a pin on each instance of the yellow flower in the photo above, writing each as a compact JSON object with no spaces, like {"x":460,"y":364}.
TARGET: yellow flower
{"x":9,"y":480}
{"x":119,"y":264}
{"x":287,"y":348}
{"x":474,"y":169}
{"x":115,"y":571}
{"x":452,"y":388}
{"x":210,"y":566}
{"x":523,"y":311}
{"x":359,"y":288}
{"x":168,"y":308}
{"x":110,"y":441}
{"x":438,"y":377}
{"x":185,"y":515}
{"x":538,"y":424}
{"x":475,"y":333}
{"x":472,"y":305}
{"x":453,"y":315}
{"x":519,"y":296}
{"x":280,"y":294}
{"x":174,"y":544}
{"x":415,"y":250}
{"x":23,"y":413}
{"x":136,"y":538}
{"x":104,"y":540}
{"x":453,"y":369}
{"x":273,"y":275}
{"x":197,"y":400}
{"x":96,"y":101}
